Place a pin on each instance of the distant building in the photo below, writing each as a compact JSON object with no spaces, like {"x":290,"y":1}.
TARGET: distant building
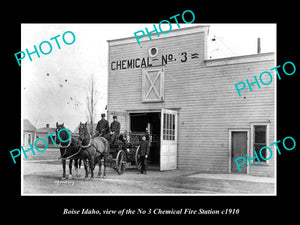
{"x":29,"y":133}
{"x":89,"y":126}
{"x":43,"y":132}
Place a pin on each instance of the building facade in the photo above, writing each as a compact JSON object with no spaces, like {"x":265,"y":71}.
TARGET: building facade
{"x":29,"y":132}
{"x":43,"y":132}
{"x":190,"y":104}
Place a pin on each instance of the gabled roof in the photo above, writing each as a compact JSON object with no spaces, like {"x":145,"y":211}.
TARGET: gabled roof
{"x":27,"y":125}
{"x":175,"y":32}
{"x":45,"y":130}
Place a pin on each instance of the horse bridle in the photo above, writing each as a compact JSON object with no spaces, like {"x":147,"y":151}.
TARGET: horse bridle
{"x":69,"y":142}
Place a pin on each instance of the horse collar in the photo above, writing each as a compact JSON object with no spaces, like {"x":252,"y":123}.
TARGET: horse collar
{"x":88,"y":145}
{"x":67,"y":146}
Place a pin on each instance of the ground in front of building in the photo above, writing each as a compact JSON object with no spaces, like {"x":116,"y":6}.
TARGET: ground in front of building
{"x":44,"y":177}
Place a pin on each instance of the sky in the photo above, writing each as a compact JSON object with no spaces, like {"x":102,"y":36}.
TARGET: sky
{"x":54,"y":86}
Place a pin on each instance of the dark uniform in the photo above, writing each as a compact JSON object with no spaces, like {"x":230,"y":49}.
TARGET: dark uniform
{"x":144,"y":151}
{"x":102,"y":127}
{"x":115,"y":129}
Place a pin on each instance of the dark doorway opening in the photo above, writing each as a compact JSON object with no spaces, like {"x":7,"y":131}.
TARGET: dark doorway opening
{"x":148,"y":122}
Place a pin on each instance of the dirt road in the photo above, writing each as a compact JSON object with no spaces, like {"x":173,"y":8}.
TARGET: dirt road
{"x":44,"y":177}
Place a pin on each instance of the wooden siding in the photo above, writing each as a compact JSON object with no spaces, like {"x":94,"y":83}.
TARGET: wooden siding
{"x":205,"y":95}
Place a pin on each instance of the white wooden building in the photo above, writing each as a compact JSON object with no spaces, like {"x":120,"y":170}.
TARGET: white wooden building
{"x":197,"y":119}
{"x":29,"y":133}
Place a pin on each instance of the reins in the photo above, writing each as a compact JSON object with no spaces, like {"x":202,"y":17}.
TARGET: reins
{"x":67,"y":146}
{"x":70,"y":155}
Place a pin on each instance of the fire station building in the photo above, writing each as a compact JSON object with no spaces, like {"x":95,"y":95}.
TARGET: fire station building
{"x":188,"y":103}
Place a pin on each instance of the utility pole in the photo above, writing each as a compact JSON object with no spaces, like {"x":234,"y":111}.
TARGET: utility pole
{"x":258,"y":46}
{"x":91,"y":103}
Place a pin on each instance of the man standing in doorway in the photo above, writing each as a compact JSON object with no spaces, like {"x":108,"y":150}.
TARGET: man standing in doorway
{"x":102,"y":128}
{"x":143,"y":153}
{"x":115,"y":128}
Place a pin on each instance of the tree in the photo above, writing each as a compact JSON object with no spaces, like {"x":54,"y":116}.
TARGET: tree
{"x":91,"y":103}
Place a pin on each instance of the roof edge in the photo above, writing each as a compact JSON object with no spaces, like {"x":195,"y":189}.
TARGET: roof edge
{"x":172,"y":33}
{"x":268,"y":56}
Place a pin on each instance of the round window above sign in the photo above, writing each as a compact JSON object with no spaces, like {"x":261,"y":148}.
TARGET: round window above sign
{"x":153,"y":51}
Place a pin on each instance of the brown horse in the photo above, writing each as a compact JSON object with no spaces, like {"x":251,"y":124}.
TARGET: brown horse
{"x":97,"y":148}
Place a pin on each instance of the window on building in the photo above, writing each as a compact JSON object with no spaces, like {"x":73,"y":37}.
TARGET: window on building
{"x":29,"y":138}
{"x":50,"y":141}
{"x":169,"y":127}
{"x":260,"y":140}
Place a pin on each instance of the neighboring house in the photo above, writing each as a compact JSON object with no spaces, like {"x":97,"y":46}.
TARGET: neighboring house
{"x":29,"y":133}
{"x":43,"y":132}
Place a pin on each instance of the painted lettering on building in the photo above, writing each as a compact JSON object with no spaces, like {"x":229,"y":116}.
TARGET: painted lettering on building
{"x":145,"y":62}
{"x":130,"y":64}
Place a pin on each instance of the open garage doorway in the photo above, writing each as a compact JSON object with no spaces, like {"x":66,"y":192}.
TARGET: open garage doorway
{"x":161,"y":131}
{"x":148,"y":123}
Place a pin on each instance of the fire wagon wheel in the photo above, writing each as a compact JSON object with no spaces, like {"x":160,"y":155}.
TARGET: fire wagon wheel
{"x":138,"y":163}
{"x":121,"y":162}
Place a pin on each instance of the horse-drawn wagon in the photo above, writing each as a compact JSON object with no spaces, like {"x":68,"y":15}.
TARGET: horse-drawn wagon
{"x":124,"y":152}
{"x":118,"y":154}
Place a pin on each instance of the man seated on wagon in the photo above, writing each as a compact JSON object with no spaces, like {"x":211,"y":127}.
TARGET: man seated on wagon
{"x":115,"y":127}
{"x":102,"y":128}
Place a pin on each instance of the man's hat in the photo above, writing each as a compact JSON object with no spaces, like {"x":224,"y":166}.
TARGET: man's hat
{"x":115,"y":117}
{"x":102,"y":114}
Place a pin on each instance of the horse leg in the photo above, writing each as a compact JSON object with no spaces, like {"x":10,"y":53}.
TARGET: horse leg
{"x":103,"y":162}
{"x":70,"y":168}
{"x":92,"y":165}
{"x":99,"y":163}
{"x":76,"y":168}
{"x":64,"y":168}
{"x":85,"y":162}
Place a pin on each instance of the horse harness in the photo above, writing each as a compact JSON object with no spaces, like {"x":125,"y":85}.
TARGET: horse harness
{"x":89,"y":144}
{"x":67,"y":146}
{"x":81,"y":147}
